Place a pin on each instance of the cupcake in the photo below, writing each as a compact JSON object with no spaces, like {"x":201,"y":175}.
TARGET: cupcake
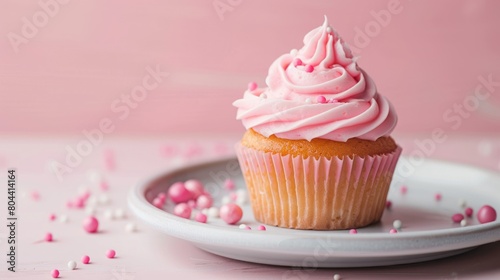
{"x":317,"y":153}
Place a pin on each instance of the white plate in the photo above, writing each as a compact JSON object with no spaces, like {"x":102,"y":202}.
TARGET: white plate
{"x":428,"y":232}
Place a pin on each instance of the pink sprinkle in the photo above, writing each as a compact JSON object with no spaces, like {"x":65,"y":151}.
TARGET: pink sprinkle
{"x":90,"y":224}
{"x":103,"y":186}
{"x":158,"y":202}
{"x":404,"y":189}
{"x":79,"y":202}
{"x":48,"y":237}
{"x":438,"y":197}
{"x":297,"y":62}
{"x":52,"y":217}
{"x":486,"y":214}
{"x":233,"y":196}
{"x":200,"y":217}
{"x":35,"y":195}
{"x":229,"y":184}
{"x":55,"y":273}
{"x":388,"y":204}
{"x":393,"y":230}
{"x":204,"y":201}
{"x":85,"y":259}
{"x":468,"y":212}
{"x":195,"y":187}
{"x":261,"y":227}
{"x":178,"y":193}
{"x":182,"y":210}
{"x":321,"y":99}
{"x":162,"y":196}
{"x":309,"y":68}
{"x":252,"y":86}
{"x":353,"y":231}
{"x":333,"y":100}
{"x":248,"y":228}
{"x":110,"y":254}
{"x":231,"y":213}
{"x":191,"y":203}
{"x":69,"y":204}
{"x":457,"y":218}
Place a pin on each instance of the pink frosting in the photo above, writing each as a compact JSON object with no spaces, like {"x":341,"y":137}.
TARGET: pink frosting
{"x":289,"y":107}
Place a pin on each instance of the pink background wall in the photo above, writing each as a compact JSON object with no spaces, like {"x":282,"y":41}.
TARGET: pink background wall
{"x":64,"y":76}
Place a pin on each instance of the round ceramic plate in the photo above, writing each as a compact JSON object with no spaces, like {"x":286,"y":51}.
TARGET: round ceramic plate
{"x":428,"y":232}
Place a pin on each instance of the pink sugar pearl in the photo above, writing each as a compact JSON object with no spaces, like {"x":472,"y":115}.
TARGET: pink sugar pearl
{"x":457,"y":218}
{"x":52,"y":217}
{"x":110,"y":254}
{"x":191,"y":203}
{"x":468,"y":212}
{"x":200,"y":217}
{"x":204,"y":201}
{"x":393,"y":230}
{"x":55,"y":273}
{"x":48,"y":237}
{"x":85,"y":259}
{"x":90,"y":224}
{"x":388,"y":204}
{"x":231,"y":213}
{"x":321,"y":99}
{"x":252,"y":86}
{"x":353,"y":231}
{"x":162,"y":196}
{"x":158,"y":202}
{"x":438,"y":197}
{"x":309,"y":68}
{"x":178,"y":193}
{"x":229,"y":184}
{"x":182,"y":210}
{"x":79,"y":202}
{"x":261,"y":227}
{"x":103,"y":186}
{"x":195,"y":187}
{"x":404,"y":189}
{"x":486,"y":214}
{"x":297,"y":62}
{"x":233,"y":196}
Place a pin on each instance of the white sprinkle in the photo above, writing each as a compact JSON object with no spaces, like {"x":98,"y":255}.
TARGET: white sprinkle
{"x":119,"y":213}
{"x":92,"y":200}
{"x":226,"y":199}
{"x":194,"y":212}
{"x":71,"y":265}
{"x":213,"y":212}
{"x":63,"y":218}
{"x":131,"y":227}
{"x":463,"y":222}
{"x":329,"y":29}
{"x":293,"y":52}
{"x":242,"y":226}
{"x":462,"y":203}
{"x":263,"y":96}
{"x":204,"y":211}
{"x":103,"y":199}
{"x":108,"y":214}
{"x":90,"y":210}
{"x":308,"y":100}
{"x":94,"y":176}
{"x":83,"y":189}
{"x":397,"y":224}
{"x":336,"y":277}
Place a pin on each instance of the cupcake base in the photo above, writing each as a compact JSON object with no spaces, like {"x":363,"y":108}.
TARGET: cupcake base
{"x":320,"y":193}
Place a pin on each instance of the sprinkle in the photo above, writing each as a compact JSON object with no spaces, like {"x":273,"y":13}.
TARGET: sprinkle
{"x":293,"y":52}
{"x":438,"y":197}
{"x":225,"y":199}
{"x":263,"y":96}
{"x":397,"y":224}
{"x":90,"y":224}
{"x":457,"y":218}
{"x":353,"y":231}
{"x":52,"y":217}
{"x":85,"y":259}
{"x":329,"y":29}
{"x":261,"y":227}
{"x":229,"y":184}
{"x":388,"y":204}
{"x":119,"y":213}
{"x":463,"y":222}
{"x":393,"y":231}
{"x":178,"y":193}
{"x":468,"y":212}
{"x":231,"y":213}
{"x":242,"y":226}
{"x":103,"y":199}
{"x":200,"y":217}
{"x":131,"y":227}
{"x":48,"y":237}
{"x":108,"y":214}
{"x":90,"y":210}
{"x":486,"y":214}
{"x":63,"y":218}
{"x":182,"y":210}
{"x":308,"y":100}
{"x":309,"y":68}
{"x":162,"y":196}
{"x":157,"y":202}
{"x":333,"y":100}
{"x":336,"y":277}
{"x":35,"y":195}
{"x":462,"y":203}
{"x":110,"y":253}
{"x":321,"y":99}
{"x":204,"y":201}
{"x":71,"y":265}
{"x":404,"y":189}
{"x":55,"y":273}
{"x":233,"y":196}
{"x":213,"y":212}
{"x":195,"y":187}
{"x":252,"y":86}
{"x":103,"y":186}
{"x":297,"y":62}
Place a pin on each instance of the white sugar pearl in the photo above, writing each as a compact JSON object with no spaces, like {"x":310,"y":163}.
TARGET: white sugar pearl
{"x":108,"y":214}
{"x":131,"y":227}
{"x":242,"y":226}
{"x":90,"y":210}
{"x":194,"y":212}
{"x":293,"y":52}
{"x":463,"y":222}
{"x":103,"y":199}
{"x":63,"y":218}
{"x":119,"y":213}
{"x":92,"y":200}
{"x":94,"y":176}
{"x":462,"y":203}
{"x":336,"y":277}
{"x":204,"y":211}
{"x":397,"y":224}
{"x":308,"y":100}
{"x":83,"y":189}
{"x":213,"y":212}
{"x":263,"y":96}
{"x":329,"y":29}
{"x":226,"y":199}
{"x":71,"y":265}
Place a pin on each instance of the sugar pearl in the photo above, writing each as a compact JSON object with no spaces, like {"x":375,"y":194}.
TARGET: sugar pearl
{"x":131,"y":227}
{"x":321,"y":99}
{"x":457,"y":218}
{"x":438,"y":197}
{"x":309,"y":68}
{"x":229,"y":184}
{"x":55,"y":273}
{"x":71,"y":265}
{"x":336,"y":277}
{"x":108,"y":214}
{"x":178,"y":193}
{"x":204,"y":201}
{"x":397,"y":224}
{"x":90,"y":224}
{"x":182,"y":210}
{"x":200,"y":217}
{"x":110,"y":254}
{"x":308,"y":100}
{"x":63,"y":218}
{"x":252,"y":86}
{"x":48,"y":237}
{"x":231,"y":213}
{"x":261,"y":227}
{"x":242,"y":226}
{"x":119,"y":213}
{"x":213,"y":212}
{"x":353,"y":231}
{"x":463,"y":222}
{"x":468,"y":212}
{"x":85,"y":259}
{"x":393,"y":231}
{"x":195,"y":187}
{"x":486,"y":214}
{"x":462,"y":203}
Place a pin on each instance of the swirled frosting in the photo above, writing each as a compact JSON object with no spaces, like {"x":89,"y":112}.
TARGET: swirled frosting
{"x":317,"y":92}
